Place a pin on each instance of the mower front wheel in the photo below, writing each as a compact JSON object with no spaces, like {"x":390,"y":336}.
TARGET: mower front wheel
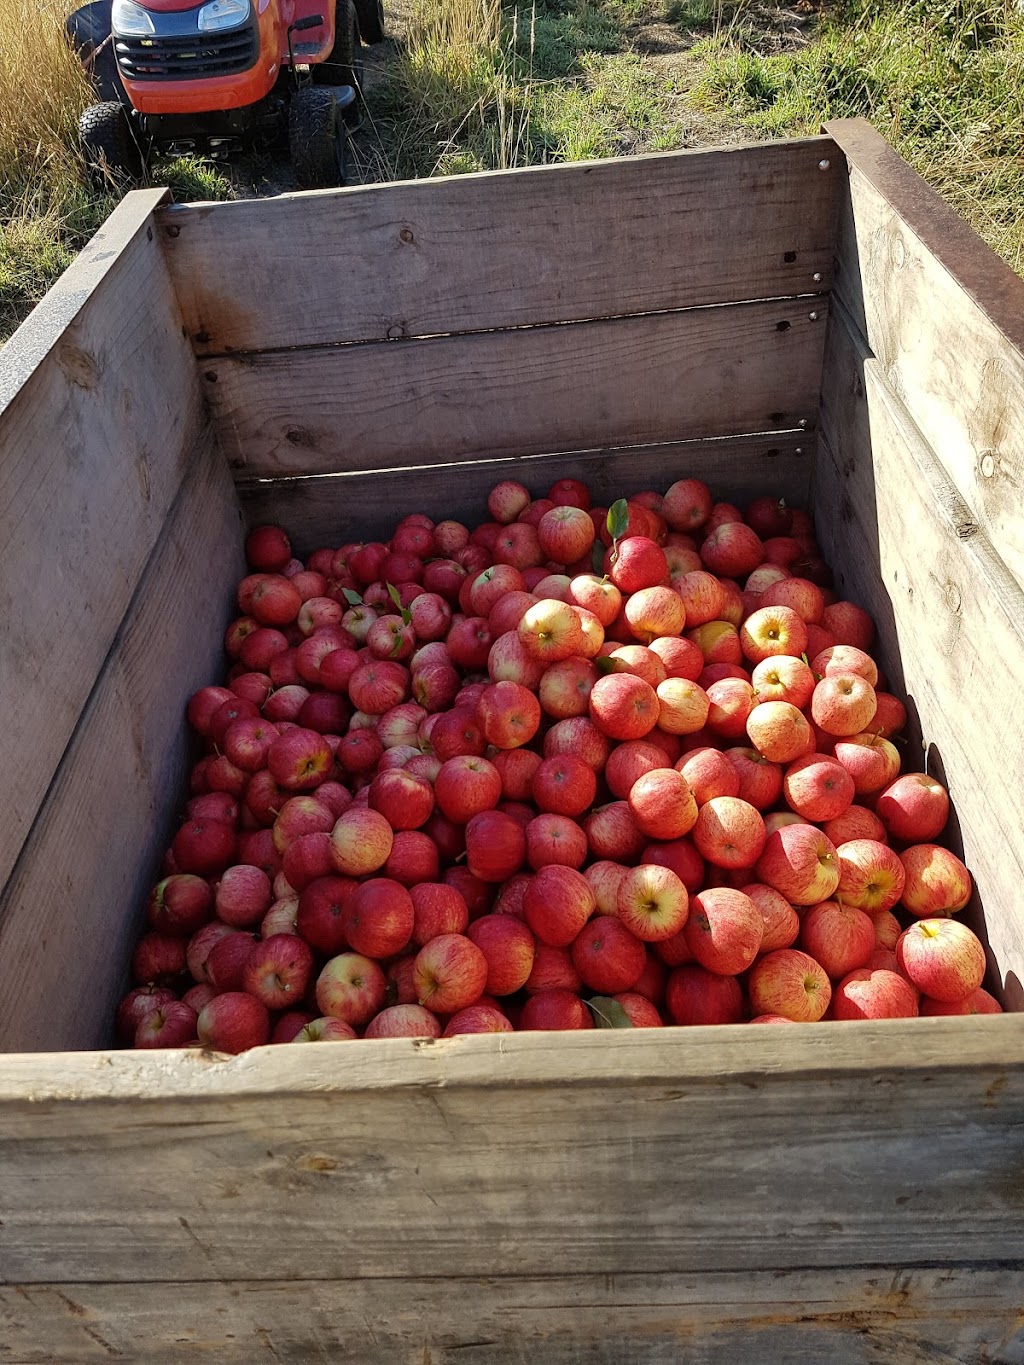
{"x":111,"y":150}
{"x":316,"y":139}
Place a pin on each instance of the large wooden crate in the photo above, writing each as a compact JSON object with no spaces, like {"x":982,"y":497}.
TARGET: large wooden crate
{"x":802,"y":317}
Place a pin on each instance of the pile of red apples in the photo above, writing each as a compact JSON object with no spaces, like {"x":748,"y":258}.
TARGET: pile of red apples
{"x":575,"y":767}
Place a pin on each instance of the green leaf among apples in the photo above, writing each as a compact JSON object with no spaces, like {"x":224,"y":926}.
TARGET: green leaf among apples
{"x":608,"y":1013}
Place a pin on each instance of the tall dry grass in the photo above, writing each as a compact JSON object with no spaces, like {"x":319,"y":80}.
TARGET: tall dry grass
{"x":47,"y":211}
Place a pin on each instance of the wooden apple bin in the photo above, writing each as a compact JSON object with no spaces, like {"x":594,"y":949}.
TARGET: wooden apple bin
{"x":800,"y":317}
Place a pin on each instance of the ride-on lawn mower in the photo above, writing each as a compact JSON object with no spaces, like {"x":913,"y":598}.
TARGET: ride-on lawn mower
{"x":213,"y":75}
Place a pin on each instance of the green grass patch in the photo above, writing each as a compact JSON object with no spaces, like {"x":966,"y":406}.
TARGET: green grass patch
{"x":943,"y":80}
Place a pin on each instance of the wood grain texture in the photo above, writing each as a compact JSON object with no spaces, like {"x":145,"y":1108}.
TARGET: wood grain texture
{"x":944,"y":317}
{"x":950,"y":618}
{"x":334,"y":508}
{"x":99,"y":408}
{"x":703,"y":373}
{"x":672,"y":1152}
{"x":70,"y":913}
{"x":505,"y":249}
{"x":863,"y":1316}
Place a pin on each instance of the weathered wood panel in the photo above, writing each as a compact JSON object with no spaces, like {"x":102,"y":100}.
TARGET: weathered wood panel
{"x":944,"y":316}
{"x":99,"y":407}
{"x":706,"y":372}
{"x":549,"y":244}
{"x":333,"y":508}
{"x":950,"y":617}
{"x":679,"y":1151}
{"x":921,"y":1316}
{"x":69,"y":915}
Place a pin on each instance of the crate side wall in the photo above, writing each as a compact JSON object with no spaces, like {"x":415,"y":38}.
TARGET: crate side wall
{"x":506,"y":249}
{"x":100,"y":406}
{"x":73,"y":907}
{"x":950,"y":619}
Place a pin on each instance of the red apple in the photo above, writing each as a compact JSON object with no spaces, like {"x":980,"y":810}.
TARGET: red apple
{"x":652,"y":902}
{"x":495,"y":846}
{"x":783,"y":678}
{"x":623,"y":706}
{"x":874,"y":993}
{"x":378,"y":918}
{"x":477,"y":1019}
{"x":233,"y":1022}
{"x":936,"y":881}
{"x":158,"y":959}
{"x":662,"y":804}
{"x":696,"y":996}
{"x":405,"y":801}
{"x":871,"y":875}
{"x":791,"y":984}
{"x":450,"y":973}
{"x":171,"y":1024}
{"x":403,"y":1021}
{"x":351,"y":988}
{"x":781,"y":922}
{"x":870,"y":760}
{"x":732,"y":550}
{"x":779,"y":732}
{"x":551,"y":630}
{"x":508,"y":714}
{"x":840,"y":938}
{"x":243,"y":895}
{"x":724,"y":930}
{"x":203,"y":847}
{"x":278,"y":971}
{"x":508,"y":945}
{"x":578,"y":735}
{"x":137,"y":1004}
{"x":557,"y":903}
{"x":914,"y":808}
{"x":772,"y":631}
{"x":801,"y":864}
{"x":201,"y":945}
{"x":856,"y":822}
{"x":942,"y":958}
{"x":978,"y":1002}
{"x":325,"y":1031}
{"x":817,"y":787}
{"x":640,"y":1012}
{"x":729,"y":832}
{"x":564,"y":785}
{"x":555,"y":1010}
{"x":555,"y":839}
{"x":612,"y":833}
{"x":466,"y":786}
{"x":361,"y":842}
{"x":179,"y":905}
{"x":565,"y":688}
{"x":843,"y":704}
{"x":607,"y":956}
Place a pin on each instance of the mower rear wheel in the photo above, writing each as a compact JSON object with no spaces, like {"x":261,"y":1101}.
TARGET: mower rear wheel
{"x":109,"y":145}
{"x":316,"y":139}
{"x":371,"y":20}
{"x":344,"y":63}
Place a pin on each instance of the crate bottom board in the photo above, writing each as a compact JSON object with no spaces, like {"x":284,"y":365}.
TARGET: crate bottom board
{"x":849,"y":1316}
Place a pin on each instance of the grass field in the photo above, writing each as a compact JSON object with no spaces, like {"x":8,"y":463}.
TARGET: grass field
{"x":475,"y":84}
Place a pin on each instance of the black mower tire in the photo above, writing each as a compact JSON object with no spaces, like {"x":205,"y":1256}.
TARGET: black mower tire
{"x":344,"y":63}
{"x":371,"y":20}
{"x":111,"y":150}
{"x":316,"y":139}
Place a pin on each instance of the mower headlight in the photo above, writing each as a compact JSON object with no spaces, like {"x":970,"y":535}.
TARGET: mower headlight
{"x":223,"y":14}
{"x":131,"y":20}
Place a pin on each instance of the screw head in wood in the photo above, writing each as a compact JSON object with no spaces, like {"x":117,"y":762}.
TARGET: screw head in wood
{"x":817,"y":277}
{"x":824,"y":164}
{"x":988,"y":464}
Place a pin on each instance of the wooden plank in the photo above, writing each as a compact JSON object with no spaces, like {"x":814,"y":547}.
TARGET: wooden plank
{"x":707,"y":372}
{"x":916,"y":1315}
{"x":944,"y":316}
{"x":950,"y":618}
{"x":333,"y":508}
{"x":99,"y":408}
{"x":69,"y":914}
{"x":512,"y":1154}
{"x":505,"y":249}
